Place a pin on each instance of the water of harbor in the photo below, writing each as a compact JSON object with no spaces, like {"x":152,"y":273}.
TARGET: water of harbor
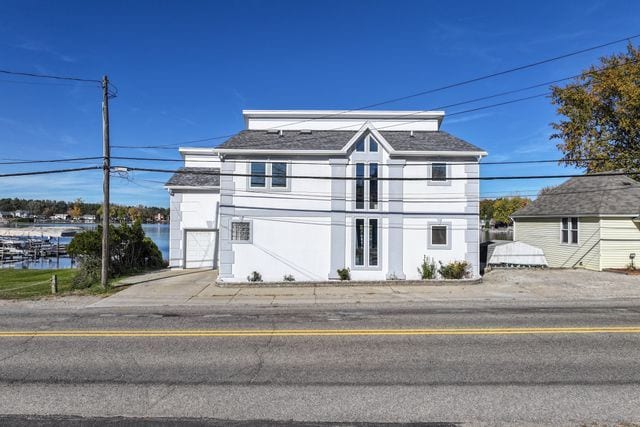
{"x":159,"y":233}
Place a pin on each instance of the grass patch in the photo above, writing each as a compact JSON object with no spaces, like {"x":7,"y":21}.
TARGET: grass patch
{"x":24,"y":283}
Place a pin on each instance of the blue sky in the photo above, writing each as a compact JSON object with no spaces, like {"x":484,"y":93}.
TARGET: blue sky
{"x":185,"y":70}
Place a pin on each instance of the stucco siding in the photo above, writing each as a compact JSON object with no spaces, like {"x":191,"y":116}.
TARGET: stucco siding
{"x":620,"y":237}
{"x":284,"y":245}
{"x":416,"y":243}
{"x":190,"y":211}
{"x":545,"y":233}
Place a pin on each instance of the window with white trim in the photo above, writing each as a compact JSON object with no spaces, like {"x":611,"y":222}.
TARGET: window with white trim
{"x":258,"y":177}
{"x":240,"y":231}
{"x":569,"y":231}
{"x":366,"y":242}
{"x":438,"y":172}
{"x":367,"y":144}
{"x":274,"y":175}
{"x":279,"y":175}
{"x":439,"y":235}
{"x":367,"y":189}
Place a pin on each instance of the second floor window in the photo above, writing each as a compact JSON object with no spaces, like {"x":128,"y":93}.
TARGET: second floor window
{"x":279,"y":175}
{"x":438,"y":172}
{"x":258,"y":174}
{"x":366,"y":189}
{"x":268,"y":175}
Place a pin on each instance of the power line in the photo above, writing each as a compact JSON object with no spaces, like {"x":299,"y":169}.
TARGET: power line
{"x":479,"y":78}
{"x":351,"y":178}
{"x":173,"y":146}
{"x":48,"y":76}
{"x":469,"y":101}
{"x":296,"y":162}
{"x":47,"y":172}
{"x":23,"y":162}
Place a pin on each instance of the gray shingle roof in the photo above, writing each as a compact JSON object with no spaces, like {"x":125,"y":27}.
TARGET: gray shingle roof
{"x":587,"y":195}
{"x":195,"y":177}
{"x":336,"y":139}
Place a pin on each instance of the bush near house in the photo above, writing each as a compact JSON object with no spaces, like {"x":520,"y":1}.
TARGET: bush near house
{"x":455,"y":270}
{"x":254,"y":277}
{"x":428,"y":268}
{"x":344,"y":273}
{"x":131,"y":252}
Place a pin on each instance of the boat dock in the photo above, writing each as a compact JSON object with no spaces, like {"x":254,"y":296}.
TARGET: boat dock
{"x":31,"y":243}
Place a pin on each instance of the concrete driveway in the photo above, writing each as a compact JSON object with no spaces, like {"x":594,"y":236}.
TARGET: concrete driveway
{"x":199,"y":288}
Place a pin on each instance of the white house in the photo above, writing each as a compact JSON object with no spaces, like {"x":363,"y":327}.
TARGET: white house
{"x":305,"y":193}
{"x":22,"y":214}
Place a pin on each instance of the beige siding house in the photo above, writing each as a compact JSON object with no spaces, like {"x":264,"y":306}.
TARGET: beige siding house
{"x":588,"y":222}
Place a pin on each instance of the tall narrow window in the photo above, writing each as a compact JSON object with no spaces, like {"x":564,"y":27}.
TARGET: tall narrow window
{"x":373,"y":242}
{"x":438,"y":172}
{"x":569,"y":231}
{"x":373,"y":186}
{"x":359,"y":242}
{"x":279,"y":175}
{"x":360,"y":145}
{"x":359,"y":185}
{"x":258,"y":172}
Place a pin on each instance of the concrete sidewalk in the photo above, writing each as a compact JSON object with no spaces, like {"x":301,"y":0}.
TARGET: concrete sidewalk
{"x":198,"y":288}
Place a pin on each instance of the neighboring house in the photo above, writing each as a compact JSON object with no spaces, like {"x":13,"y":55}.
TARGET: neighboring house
{"x":87,"y":218}
{"x":159,"y":217}
{"x":6,"y":214}
{"x":589,"y":221}
{"x":22,"y":214}
{"x":60,"y":217}
{"x":390,"y":188}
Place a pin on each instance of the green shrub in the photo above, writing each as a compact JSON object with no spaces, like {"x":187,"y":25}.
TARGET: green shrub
{"x":289,"y":278}
{"x":455,"y":270}
{"x":344,"y":273}
{"x":428,"y":268}
{"x":131,"y":251}
{"x":254,"y":277}
{"x":88,"y":272}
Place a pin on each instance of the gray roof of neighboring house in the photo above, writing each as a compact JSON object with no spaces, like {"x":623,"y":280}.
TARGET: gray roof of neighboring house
{"x":337,"y":139}
{"x":587,"y":195}
{"x":195,"y":177}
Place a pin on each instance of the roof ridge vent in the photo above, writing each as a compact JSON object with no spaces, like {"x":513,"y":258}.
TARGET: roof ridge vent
{"x":273,"y":131}
{"x":305,"y":131}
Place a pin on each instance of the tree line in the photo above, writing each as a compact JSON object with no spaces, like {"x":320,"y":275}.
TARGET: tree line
{"x":77,"y":208}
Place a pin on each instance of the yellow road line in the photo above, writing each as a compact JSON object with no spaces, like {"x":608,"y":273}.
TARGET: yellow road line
{"x":318,"y":332}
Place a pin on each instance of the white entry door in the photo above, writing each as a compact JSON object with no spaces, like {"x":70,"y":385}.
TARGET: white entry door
{"x":201,"y":247}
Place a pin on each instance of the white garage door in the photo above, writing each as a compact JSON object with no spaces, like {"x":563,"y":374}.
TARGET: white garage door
{"x":201,"y":249}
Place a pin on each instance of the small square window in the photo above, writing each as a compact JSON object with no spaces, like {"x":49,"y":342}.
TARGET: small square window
{"x":439,"y":235}
{"x":279,"y":175}
{"x":258,"y":174}
{"x":438,"y":172}
{"x":241,"y":231}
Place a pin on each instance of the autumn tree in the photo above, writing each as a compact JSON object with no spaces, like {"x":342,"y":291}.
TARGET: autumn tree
{"x":505,"y":206}
{"x":600,"y":129}
{"x":75,"y":211}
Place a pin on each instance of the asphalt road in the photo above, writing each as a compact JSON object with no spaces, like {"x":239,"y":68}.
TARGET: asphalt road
{"x":537,"y":365}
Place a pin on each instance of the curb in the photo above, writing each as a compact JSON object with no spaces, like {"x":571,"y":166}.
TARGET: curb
{"x":349,"y":283}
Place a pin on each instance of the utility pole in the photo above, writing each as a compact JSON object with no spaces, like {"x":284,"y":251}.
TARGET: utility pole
{"x":106,"y":168}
